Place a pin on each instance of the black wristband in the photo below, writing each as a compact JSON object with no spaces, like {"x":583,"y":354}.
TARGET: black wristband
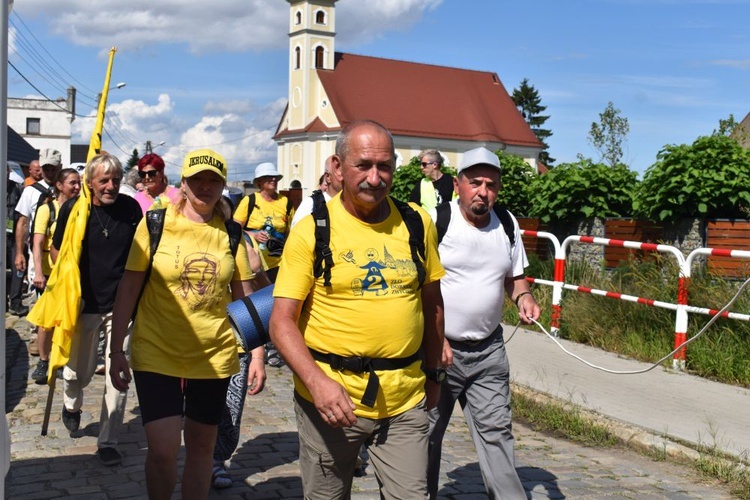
{"x":521,"y":295}
{"x":116,"y":352}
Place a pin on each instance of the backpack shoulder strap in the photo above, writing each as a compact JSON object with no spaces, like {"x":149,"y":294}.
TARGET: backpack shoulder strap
{"x":415,"y":226}
{"x":45,"y":191}
{"x":52,"y":214}
{"x":155,"y":226}
{"x":443,"y":220}
{"x":289,"y":206}
{"x":323,"y":255}
{"x":234,"y":230}
{"x":250,"y":208}
{"x":507,"y":221}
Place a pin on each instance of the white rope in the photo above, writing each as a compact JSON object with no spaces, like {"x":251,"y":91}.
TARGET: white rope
{"x":634,"y":372}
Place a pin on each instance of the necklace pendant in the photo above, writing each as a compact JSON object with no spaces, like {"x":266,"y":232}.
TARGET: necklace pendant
{"x":105,"y":232}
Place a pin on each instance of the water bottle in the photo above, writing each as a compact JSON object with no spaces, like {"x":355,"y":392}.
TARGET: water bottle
{"x":267,"y":227}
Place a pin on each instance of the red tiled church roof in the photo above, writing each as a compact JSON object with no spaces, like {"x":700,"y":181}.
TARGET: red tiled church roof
{"x":422,"y":100}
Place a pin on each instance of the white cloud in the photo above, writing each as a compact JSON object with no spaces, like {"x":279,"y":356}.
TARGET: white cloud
{"x":205,"y":26}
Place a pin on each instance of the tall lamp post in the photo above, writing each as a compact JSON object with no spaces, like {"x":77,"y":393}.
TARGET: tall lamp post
{"x":150,"y":146}
{"x":99,"y":95}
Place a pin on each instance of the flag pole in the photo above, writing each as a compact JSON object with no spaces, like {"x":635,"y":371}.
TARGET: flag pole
{"x":95,"y":145}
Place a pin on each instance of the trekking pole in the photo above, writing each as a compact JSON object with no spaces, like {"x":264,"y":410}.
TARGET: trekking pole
{"x":48,"y":407}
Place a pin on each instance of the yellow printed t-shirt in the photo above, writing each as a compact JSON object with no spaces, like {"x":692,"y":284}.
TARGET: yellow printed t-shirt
{"x":43,"y":226}
{"x":181,"y":329}
{"x":373,"y":308}
{"x":276,"y":210}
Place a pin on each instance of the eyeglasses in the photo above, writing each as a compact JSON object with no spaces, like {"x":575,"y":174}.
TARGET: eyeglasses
{"x":425,"y":163}
{"x":147,"y":173}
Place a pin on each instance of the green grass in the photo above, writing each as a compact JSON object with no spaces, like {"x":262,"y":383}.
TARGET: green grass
{"x":643,"y":332}
{"x":566,"y":420}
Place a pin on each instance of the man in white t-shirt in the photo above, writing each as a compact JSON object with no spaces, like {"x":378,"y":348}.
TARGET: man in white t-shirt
{"x":481,"y":266}
{"x":50,"y":161}
{"x":334,"y":186}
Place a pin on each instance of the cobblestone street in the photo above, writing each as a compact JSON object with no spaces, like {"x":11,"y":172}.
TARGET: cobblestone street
{"x":64,"y":466}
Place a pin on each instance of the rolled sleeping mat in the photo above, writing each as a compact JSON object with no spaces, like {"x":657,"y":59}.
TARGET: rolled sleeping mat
{"x":249,"y":317}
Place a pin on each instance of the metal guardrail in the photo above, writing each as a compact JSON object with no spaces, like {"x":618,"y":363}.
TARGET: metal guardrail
{"x":681,"y":306}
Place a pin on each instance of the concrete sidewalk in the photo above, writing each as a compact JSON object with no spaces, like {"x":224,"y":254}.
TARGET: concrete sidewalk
{"x":661,"y":401}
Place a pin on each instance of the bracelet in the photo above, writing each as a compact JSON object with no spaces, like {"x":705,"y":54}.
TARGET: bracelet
{"x":521,"y":295}
{"x":116,"y":352}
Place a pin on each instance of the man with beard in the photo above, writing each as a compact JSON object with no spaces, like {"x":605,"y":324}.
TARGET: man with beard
{"x":481,"y":263}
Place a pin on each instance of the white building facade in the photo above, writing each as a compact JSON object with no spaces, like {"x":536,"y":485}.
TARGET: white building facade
{"x":43,"y":123}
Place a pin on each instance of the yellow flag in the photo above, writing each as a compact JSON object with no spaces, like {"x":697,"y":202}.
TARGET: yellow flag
{"x":60,"y":304}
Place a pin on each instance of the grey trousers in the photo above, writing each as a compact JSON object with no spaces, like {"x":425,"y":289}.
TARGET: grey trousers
{"x":228,"y":434}
{"x":479,"y":380}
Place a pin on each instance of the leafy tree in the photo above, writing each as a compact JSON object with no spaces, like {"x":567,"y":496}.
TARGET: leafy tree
{"x":132,"y":161}
{"x":407,"y":176}
{"x":705,"y":179}
{"x":528,"y":102}
{"x":573,"y":191}
{"x":726,"y":127}
{"x":516,"y":180}
{"x":609,"y":135}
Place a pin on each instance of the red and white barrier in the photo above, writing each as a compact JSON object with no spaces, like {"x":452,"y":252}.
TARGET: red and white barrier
{"x":681,"y":307}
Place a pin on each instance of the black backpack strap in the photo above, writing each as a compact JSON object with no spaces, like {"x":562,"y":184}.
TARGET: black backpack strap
{"x":443,"y":220}
{"x":250,"y":207}
{"x":155,"y":226}
{"x":45,"y":191}
{"x":323,"y":256}
{"x":289,"y":206}
{"x":234,"y":230}
{"x":507,"y":221}
{"x":415,"y":225}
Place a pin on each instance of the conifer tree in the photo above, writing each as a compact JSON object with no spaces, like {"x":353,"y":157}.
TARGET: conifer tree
{"x":528,"y":102}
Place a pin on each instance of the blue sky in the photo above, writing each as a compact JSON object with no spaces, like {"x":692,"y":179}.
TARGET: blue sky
{"x":214,"y":74}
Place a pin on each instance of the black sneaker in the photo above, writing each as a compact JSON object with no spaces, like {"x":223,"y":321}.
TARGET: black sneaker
{"x":40,"y":373}
{"x":19,"y":311}
{"x":71,"y":419}
{"x":109,"y":456}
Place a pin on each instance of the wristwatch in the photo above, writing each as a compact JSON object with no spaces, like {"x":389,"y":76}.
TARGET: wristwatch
{"x":437,"y":375}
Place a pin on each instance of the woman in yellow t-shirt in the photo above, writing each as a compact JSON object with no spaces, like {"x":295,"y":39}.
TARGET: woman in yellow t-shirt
{"x":268,"y":221}
{"x":67,"y":186}
{"x":183,"y":349}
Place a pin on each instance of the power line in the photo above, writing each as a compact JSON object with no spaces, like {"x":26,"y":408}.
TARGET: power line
{"x":80,"y":84}
{"x":42,"y":93}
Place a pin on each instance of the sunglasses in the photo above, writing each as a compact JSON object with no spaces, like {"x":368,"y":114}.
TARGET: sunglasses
{"x":147,"y":173}
{"x":425,"y":163}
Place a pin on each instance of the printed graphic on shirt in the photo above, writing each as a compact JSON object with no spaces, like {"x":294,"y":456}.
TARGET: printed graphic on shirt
{"x":198,"y":280}
{"x":381,"y":276}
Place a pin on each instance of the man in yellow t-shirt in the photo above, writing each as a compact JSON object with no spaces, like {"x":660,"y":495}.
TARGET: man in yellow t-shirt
{"x":373,"y":314}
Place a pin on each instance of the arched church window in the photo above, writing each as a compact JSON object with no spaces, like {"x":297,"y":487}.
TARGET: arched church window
{"x":320,"y":17}
{"x":298,"y":18}
{"x":320,"y":53}
{"x":297,"y":57}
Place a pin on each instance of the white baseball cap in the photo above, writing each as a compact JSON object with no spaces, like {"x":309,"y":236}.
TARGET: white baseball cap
{"x":479,"y":156}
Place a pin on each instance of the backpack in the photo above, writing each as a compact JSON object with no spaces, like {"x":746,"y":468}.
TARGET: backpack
{"x":251,"y":206}
{"x":45,"y":198}
{"x":323,"y":255}
{"x":444,"y":219}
